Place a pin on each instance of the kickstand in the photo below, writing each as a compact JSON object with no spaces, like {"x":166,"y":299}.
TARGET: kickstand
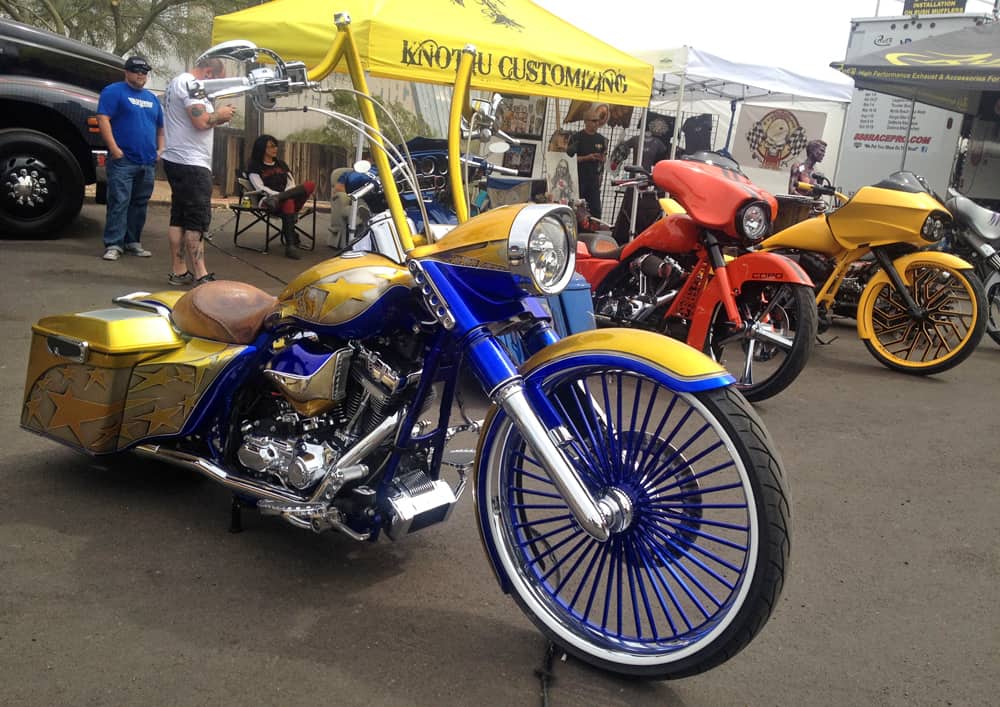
{"x":826,"y":343}
{"x":236,"y":517}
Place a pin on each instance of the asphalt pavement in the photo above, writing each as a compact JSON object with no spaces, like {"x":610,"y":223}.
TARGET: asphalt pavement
{"x":120,"y":585}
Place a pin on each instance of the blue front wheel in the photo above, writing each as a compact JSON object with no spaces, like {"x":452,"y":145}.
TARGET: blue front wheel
{"x":697,"y":569}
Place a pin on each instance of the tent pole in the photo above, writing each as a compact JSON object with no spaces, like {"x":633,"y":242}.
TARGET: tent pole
{"x":843,"y":135}
{"x":677,"y":120}
{"x":638,"y":153}
{"x":732,"y":124}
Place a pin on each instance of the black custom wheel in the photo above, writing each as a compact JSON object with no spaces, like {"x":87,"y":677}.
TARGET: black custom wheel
{"x":778,"y":338}
{"x":41,"y":185}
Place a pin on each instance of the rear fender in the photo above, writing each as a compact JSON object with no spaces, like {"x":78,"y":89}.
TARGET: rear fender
{"x":750,"y":267}
{"x":670,"y":361}
{"x":902,"y":264}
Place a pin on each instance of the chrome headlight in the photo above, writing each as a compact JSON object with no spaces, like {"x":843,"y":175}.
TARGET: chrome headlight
{"x":935,"y":227}
{"x":753,"y":221}
{"x":541,"y":248}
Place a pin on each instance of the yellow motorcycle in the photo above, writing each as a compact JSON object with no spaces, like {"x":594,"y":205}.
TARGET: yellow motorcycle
{"x":918,"y":311}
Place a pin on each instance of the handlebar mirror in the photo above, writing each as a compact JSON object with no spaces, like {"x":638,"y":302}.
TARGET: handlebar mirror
{"x":235,"y":49}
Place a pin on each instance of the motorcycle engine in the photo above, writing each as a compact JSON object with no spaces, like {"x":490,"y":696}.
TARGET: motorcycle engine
{"x":296,"y":451}
{"x":849,"y":295}
{"x":818,"y":267}
{"x":651,"y":282}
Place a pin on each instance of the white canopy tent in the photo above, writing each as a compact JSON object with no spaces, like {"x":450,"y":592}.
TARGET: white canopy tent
{"x":687,"y":75}
{"x":700,"y":75}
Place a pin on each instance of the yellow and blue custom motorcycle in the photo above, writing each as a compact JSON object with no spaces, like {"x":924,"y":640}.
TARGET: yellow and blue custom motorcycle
{"x":628,"y":497}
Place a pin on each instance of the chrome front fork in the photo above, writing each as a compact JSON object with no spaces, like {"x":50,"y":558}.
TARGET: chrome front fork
{"x":599,"y":517}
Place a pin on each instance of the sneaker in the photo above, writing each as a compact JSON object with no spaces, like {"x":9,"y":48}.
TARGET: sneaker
{"x":210,"y":277}
{"x":137,"y":250}
{"x":184,"y":279}
{"x":112,"y":253}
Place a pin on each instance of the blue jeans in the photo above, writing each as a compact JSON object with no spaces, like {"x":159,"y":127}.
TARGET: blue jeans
{"x":129,"y":187}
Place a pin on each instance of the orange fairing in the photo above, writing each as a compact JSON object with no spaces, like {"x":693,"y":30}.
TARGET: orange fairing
{"x":674,"y":233}
{"x":711,"y":194}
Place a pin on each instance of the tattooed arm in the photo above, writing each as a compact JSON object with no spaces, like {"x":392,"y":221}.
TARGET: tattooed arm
{"x":202,"y":119}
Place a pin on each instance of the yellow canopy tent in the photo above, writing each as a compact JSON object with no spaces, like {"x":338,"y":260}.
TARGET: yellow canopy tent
{"x":522,"y":48}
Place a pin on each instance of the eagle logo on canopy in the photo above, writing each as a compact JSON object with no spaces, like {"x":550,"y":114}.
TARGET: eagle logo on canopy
{"x":494,"y":9}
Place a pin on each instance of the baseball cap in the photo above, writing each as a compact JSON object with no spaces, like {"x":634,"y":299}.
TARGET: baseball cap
{"x":137,"y":63}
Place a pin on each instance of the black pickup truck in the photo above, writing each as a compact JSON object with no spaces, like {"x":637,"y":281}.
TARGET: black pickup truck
{"x":50,"y":147}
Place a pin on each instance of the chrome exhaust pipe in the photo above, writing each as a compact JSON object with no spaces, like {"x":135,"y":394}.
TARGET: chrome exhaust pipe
{"x":342,"y":472}
{"x":216,"y":473}
{"x":647,"y":309}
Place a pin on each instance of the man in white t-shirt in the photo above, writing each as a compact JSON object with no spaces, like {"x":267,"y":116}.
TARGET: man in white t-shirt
{"x":187,"y":161}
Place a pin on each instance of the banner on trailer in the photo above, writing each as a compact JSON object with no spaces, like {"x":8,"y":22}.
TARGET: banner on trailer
{"x":773,"y":138}
{"x":933,"y":7}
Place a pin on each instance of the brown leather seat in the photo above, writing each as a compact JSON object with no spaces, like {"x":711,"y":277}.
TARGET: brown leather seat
{"x":223,"y":310}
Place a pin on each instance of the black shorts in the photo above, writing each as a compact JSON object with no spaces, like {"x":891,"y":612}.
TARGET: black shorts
{"x":190,"y":197}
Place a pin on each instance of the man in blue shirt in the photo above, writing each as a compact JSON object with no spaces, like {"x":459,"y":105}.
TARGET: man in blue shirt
{"x":131,"y":123}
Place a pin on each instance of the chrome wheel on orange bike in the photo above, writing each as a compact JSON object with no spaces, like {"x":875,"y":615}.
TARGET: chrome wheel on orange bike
{"x":952,"y":323}
{"x":771,"y":352}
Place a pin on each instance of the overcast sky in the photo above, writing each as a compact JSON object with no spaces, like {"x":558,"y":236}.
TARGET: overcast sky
{"x":799,"y":35}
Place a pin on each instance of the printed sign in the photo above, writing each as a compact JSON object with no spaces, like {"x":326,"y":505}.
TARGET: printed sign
{"x":933,"y":7}
{"x":772,"y":138}
{"x":881,"y":138}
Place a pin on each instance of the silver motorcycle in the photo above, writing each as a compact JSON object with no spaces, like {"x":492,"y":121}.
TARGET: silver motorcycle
{"x":976,"y":237}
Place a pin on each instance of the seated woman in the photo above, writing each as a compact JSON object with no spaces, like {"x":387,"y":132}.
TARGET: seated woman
{"x":273,"y":177}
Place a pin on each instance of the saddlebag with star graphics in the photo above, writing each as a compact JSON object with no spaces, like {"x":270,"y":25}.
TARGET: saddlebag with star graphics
{"x":103,"y":380}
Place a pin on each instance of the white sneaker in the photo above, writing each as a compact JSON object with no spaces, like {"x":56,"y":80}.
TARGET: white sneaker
{"x":138,"y":250}
{"x":112,"y":253}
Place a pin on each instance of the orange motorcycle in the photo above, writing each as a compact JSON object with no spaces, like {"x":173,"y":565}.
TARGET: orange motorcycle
{"x":689,"y":275}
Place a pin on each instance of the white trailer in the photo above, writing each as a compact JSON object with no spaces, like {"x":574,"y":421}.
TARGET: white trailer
{"x":882,"y":133}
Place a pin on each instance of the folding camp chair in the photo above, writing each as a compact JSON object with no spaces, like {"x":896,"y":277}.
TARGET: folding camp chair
{"x":250,"y":203}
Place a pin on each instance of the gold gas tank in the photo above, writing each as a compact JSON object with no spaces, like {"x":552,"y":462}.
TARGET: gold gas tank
{"x":352,"y":293}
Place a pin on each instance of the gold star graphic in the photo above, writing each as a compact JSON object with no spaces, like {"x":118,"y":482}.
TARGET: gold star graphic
{"x":162,"y":376}
{"x":72,"y":412}
{"x":31,"y":408}
{"x":139,"y":402}
{"x":68,"y":373}
{"x":187,"y":404}
{"x":106,"y":437}
{"x":342,"y":291}
{"x":98,"y":376}
{"x":159,"y":417}
{"x":185,"y":374}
